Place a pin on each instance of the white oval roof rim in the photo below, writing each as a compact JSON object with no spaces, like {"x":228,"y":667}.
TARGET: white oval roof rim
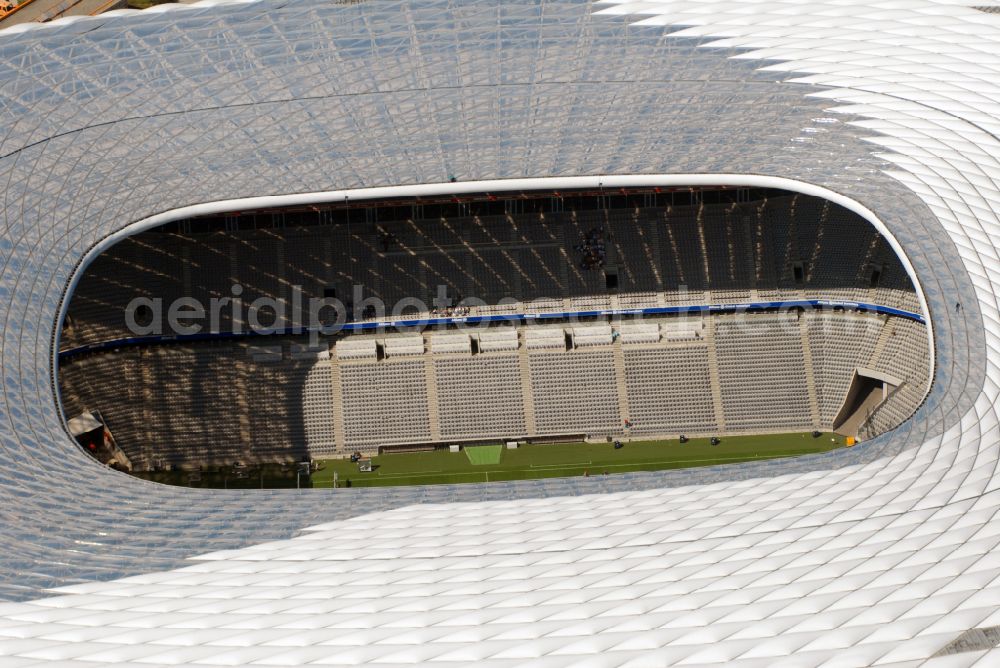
{"x":880,"y":556}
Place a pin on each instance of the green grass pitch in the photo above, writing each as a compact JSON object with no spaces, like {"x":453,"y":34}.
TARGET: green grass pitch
{"x":483,"y":455}
{"x":567,"y":459}
{"x":525,"y":463}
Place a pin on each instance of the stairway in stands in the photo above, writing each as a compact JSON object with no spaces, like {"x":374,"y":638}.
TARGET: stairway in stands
{"x":527,"y":392}
{"x":619,"y":361}
{"x":713,"y":372}
{"x":810,"y":374}
{"x":433,"y":413}
{"x":888,"y":331}
{"x":147,"y":455}
{"x":339,"y":433}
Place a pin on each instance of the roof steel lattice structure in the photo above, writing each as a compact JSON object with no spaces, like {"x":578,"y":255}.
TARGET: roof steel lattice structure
{"x":881,"y":555}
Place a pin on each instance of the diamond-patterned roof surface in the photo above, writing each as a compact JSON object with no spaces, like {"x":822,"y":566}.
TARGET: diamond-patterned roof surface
{"x":882,"y":555}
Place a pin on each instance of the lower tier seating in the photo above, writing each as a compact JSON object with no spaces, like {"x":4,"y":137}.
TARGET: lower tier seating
{"x":205,"y":403}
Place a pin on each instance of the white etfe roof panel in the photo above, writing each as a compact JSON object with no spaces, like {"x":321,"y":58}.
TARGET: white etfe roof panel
{"x":878,"y":555}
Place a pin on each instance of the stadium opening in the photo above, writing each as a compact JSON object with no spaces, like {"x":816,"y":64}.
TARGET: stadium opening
{"x":544,"y":333}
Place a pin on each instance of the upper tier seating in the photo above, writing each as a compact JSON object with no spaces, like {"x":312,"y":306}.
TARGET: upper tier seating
{"x":786,"y":247}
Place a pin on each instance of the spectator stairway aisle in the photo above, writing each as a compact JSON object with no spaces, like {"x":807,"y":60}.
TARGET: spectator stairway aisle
{"x":810,"y":373}
{"x":621,"y":387}
{"x":713,"y":374}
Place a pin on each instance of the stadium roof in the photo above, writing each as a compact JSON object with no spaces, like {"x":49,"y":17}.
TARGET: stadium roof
{"x":883,"y":554}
